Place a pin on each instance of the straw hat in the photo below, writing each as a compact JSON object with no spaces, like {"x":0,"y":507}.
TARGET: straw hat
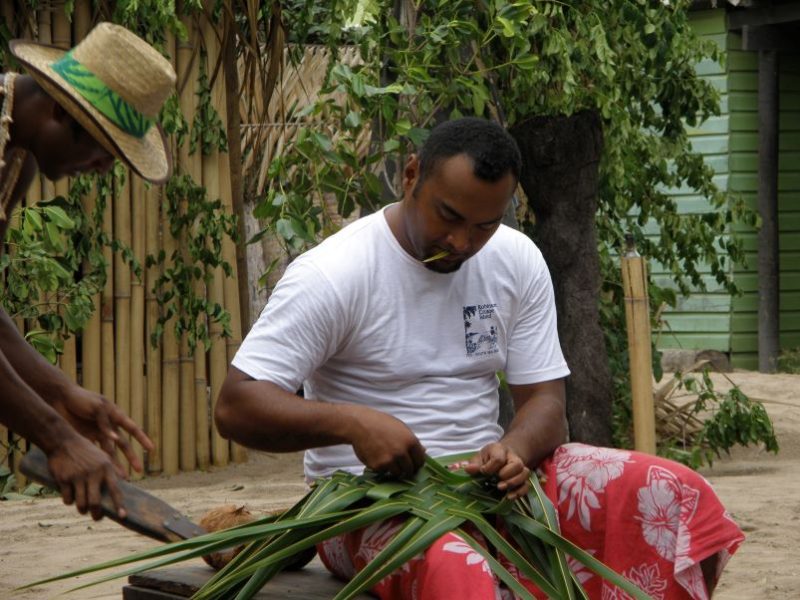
{"x":114,"y":84}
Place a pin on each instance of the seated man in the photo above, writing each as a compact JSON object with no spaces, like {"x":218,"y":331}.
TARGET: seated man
{"x":397,"y":325}
{"x":73,"y":114}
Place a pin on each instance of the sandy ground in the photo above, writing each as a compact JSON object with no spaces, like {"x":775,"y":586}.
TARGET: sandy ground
{"x":42,"y":537}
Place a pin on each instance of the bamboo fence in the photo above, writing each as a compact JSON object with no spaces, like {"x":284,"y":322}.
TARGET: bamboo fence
{"x":165,"y":388}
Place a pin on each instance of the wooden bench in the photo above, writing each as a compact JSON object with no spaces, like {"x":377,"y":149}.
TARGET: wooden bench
{"x":312,"y":582}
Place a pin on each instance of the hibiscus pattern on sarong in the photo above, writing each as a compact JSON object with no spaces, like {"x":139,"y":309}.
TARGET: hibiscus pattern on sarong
{"x":666,"y":507}
{"x":583,"y":473}
{"x":472,"y":557}
{"x":647,"y":577}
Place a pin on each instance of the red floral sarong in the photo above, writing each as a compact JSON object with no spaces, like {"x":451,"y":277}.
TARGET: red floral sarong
{"x":651,"y":519}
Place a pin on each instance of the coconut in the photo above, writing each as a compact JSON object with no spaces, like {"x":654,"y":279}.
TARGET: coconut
{"x":224,"y":517}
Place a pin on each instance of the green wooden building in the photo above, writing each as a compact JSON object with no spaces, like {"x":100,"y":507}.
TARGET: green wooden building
{"x":754,"y":148}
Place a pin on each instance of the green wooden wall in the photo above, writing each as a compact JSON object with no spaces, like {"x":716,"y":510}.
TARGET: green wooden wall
{"x":713,"y":319}
{"x":703,"y":320}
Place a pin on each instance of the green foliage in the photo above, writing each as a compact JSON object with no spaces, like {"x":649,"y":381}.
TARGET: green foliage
{"x":789,"y":361}
{"x":201,"y":223}
{"x":728,"y":419}
{"x":632,"y":62}
{"x":8,"y":487}
{"x":54,"y":264}
{"x":208,"y":130}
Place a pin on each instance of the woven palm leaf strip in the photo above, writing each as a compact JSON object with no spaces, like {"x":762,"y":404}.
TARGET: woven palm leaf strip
{"x":436,"y":501}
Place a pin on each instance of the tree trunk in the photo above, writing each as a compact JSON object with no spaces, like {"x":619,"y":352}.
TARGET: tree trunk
{"x":560,"y":157}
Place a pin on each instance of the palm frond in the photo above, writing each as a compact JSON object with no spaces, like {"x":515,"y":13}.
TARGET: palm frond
{"x":436,"y":501}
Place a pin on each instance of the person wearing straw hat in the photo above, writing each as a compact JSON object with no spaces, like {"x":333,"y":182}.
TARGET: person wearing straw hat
{"x":75,"y":112}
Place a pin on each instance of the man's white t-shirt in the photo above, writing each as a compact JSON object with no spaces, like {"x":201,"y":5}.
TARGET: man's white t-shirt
{"x":357,"y":319}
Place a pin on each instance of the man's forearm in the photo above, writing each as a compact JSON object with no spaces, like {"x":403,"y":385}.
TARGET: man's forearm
{"x":45,"y":379}
{"x":263,"y":416}
{"x":24,"y":412}
{"x":539,"y":425}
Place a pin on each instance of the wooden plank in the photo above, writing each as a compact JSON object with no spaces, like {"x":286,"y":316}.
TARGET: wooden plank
{"x":705,"y":303}
{"x":748,"y":281}
{"x":744,"y":342}
{"x":720,"y":180}
{"x":787,"y":243}
{"x":741,"y":60}
{"x":745,"y":360}
{"x":743,"y":162}
{"x":697,"y":322}
{"x":710,"y":282}
{"x":694,"y":341}
{"x":313,"y":582}
{"x":712,"y":144}
{"x":707,"y":22}
{"x":744,"y":142}
{"x":719,"y":83}
{"x":790,"y":301}
{"x":789,"y":120}
{"x":744,"y":121}
{"x":745,"y":101}
{"x":790,"y":340}
{"x":719,"y":162}
{"x":709,"y":67}
{"x":743,"y":81}
{"x":789,"y":160}
{"x":712,"y":125}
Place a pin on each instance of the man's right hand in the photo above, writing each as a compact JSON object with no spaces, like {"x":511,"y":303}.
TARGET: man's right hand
{"x":385,"y":444}
{"x":82,"y":470}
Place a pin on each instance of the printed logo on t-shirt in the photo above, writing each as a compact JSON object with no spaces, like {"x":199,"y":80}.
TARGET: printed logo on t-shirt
{"x":480,"y":329}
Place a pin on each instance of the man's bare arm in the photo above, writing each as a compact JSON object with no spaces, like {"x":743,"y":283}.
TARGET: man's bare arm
{"x":88,"y":412}
{"x":539,"y":425}
{"x":262,"y":415}
{"x":47,"y":380}
{"x":81,"y":469}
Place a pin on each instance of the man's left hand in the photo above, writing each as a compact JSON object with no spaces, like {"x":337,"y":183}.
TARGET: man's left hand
{"x":92,"y":415}
{"x":500,"y":460}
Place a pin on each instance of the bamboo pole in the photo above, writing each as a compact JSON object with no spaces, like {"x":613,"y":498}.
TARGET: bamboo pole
{"x":195,"y":165}
{"x":153,"y":408}
{"x":4,"y":447}
{"x":637,"y":317}
{"x":187,"y":75}
{"x":14,"y":222}
{"x":213,"y":163}
{"x":81,"y":20}
{"x":7,"y":9}
{"x":170,"y":359}
{"x":231,"y":295}
{"x":62,"y":36}
{"x":121,"y":206}
{"x":230,"y":115}
{"x":44,"y":19}
{"x":137,"y":315}
{"x":91,"y":359}
{"x":107,"y":379}
{"x":201,"y":399}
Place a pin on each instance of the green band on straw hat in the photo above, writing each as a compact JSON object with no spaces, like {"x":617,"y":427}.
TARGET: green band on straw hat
{"x":94,"y":91}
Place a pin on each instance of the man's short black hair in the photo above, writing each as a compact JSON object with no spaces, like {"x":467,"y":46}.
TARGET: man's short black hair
{"x":492,"y":149}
